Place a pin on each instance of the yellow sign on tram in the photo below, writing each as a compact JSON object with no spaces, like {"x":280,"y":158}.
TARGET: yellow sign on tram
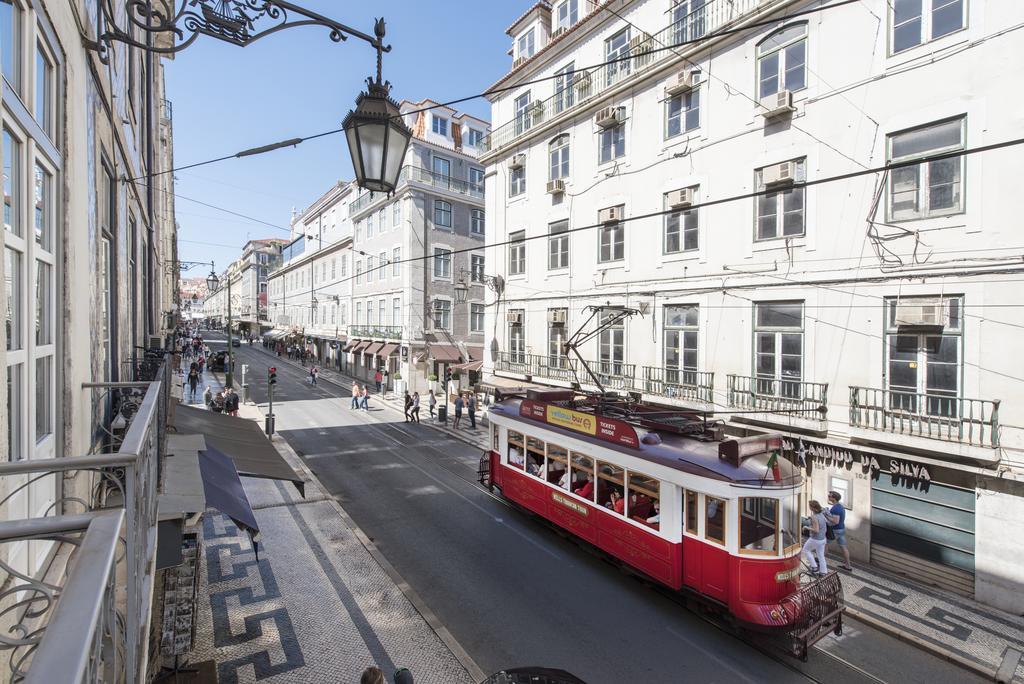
{"x":574,"y":420}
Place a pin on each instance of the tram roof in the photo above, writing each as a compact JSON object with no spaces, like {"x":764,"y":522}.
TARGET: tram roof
{"x":675,"y":451}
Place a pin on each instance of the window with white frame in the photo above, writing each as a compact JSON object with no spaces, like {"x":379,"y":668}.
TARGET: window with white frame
{"x":442,"y":262}
{"x":382,"y":312}
{"x":517,"y":253}
{"x":526,"y":45}
{"x":558,"y":245}
{"x":396,"y":217}
{"x":359,"y":272}
{"x":369,"y":226}
{"x":517,"y":336}
{"x":370,"y":315}
{"x":517,"y":181}
{"x":476,"y":268}
{"x":476,"y":179}
{"x":344,"y":266}
{"x":558,"y":157}
{"x":611,"y":347}
{"x":780,"y":214}
{"x":439,"y":125}
{"x":681,"y":229}
{"x":565,"y":86}
{"x":616,"y":48}
{"x":396,"y":311}
{"x":612,"y":240}
{"x":476,"y":221}
{"x":931,"y":188}
{"x":556,"y":337}
{"x":382,"y":259}
{"x":343,"y":314}
{"x":442,"y":169}
{"x":689,"y":20}
{"x":442,"y":314}
{"x":681,"y":327}
{"x":523,"y":116}
{"x":442,"y":214}
{"x":382,"y":220}
{"x":371,"y":266}
{"x":567,"y":13}
{"x":782,"y":61}
{"x":334,"y":268}
{"x":924,"y":363}
{"x":778,"y":348}
{"x":359,"y":313}
{"x":914,"y":22}
{"x":682,"y":113}
{"x":12,"y":25}
{"x":611,"y":143}
{"x":396,"y":262}
{"x":476,"y":318}
{"x":474,"y":136}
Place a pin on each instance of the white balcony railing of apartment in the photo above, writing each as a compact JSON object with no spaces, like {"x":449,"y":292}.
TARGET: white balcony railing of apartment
{"x":578,"y":89}
{"x":91,"y":624}
{"x":678,"y":383}
{"x":418,"y":174}
{"x":919,"y":414}
{"x":794,"y":398}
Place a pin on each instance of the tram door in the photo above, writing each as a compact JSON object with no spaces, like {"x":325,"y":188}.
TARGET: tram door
{"x":705,"y":566}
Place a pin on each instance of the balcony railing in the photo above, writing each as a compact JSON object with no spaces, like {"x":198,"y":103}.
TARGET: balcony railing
{"x":612,"y":374}
{"x":673,"y":383}
{"x":419,"y":174}
{"x":920,"y":414}
{"x":582,"y":87}
{"x":556,"y":368}
{"x":79,"y":635}
{"x":517,"y":362}
{"x":383,"y":332}
{"x":796,"y":398}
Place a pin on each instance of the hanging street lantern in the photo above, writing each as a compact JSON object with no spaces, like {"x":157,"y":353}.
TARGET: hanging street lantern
{"x":377,"y":134}
{"x":212,"y":281}
{"x":461,"y":291}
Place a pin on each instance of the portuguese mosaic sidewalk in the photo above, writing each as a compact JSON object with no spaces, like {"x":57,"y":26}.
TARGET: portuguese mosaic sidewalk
{"x":983,"y":640}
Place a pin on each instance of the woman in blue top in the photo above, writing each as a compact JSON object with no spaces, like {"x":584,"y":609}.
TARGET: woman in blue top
{"x":837,"y":521}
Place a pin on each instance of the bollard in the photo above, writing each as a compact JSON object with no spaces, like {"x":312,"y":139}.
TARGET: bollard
{"x":270,"y":425}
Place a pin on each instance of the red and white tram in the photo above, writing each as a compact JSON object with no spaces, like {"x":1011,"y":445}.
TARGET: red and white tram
{"x":660,"y":489}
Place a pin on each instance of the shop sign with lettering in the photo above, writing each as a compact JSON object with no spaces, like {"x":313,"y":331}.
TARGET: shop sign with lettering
{"x":837,"y":457}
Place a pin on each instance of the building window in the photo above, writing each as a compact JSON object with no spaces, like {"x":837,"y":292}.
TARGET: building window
{"x":382,"y":312}
{"x":396,"y":262}
{"x":359,"y":231}
{"x":476,"y":180}
{"x":396,"y":311}
{"x":359,"y":313}
{"x":517,"y":181}
{"x":44,"y":90}
{"x":442,"y":171}
{"x":924,"y":365}
{"x":382,"y":221}
{"x":371,"y":266}
{"x":439,"y":125}
{"x":10,"y":42}
{"x":526,"y":46}
{"x":476,"y":221}
{"x":680,"y":335}
{"x":369,"y":312}
{"x":344,"y":266}
{"x":612,"y":143}
{"x":689,"y":21}
{"x":681,"y":230}
{"x":522,"y":112}
{"x":382,"y":259}
{"x":778,"y":348}
{"x":558,"y":155}
{"x":611,"y":347}
{"x":476,"y":268}
{"x":556,"y":337}
{"x":334,"y":269}
{"x":359,"y":272}
{"x":558,"y":245}
{"x":915,"y":22}
{"x":682,"y":113}
{"x":517,"y":336}
{"x":474,"y":137}
{"x":442,"y":263}
{"x":781,"y":213}
{"x":616,"y":48}
{"x":517,"y":253}
{"x":396,"y":211}
{"x":442,"y":314}
{"x":612,"y":240}
{"x":565,"y":87}
{"x":932,"y":188}
{"x":566,"y":13}
{"x":369,"y":226}
{"x":442,"y":214}
{"x":476,"y":318}
{"x":782,"y":61}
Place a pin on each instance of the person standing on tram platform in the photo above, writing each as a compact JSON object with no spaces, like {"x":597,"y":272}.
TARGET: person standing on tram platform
{"x":813,"y":552}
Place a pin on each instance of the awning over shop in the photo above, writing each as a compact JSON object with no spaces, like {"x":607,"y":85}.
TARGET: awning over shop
{"x":475,"y":353}
{"x":387,"y":350}
{"x":447,"y":353}
{"x":242,"y":440}
{"x":470,"y":366}
{"x":373,"y":348}
{"x":224,"y":490}
{"x":351,"y":344}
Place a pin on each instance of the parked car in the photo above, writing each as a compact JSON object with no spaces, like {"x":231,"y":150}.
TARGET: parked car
{"x":235,"y":342}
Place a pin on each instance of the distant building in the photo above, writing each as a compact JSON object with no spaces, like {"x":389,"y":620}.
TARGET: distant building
{"x":248,"y":277}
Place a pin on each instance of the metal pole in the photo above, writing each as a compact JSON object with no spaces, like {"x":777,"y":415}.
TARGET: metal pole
{"x":270,"y":409}
{"x":228,"y":380}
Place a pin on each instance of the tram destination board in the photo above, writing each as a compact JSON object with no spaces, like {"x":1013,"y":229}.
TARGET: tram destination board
{"x":607,"y":429}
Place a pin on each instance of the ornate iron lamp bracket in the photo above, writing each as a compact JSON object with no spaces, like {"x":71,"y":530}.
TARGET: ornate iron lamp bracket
{"x":170,"y":26}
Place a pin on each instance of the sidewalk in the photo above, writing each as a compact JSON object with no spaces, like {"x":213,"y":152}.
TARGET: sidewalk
{"x":320,"y":605}
{"x":983,"y":640}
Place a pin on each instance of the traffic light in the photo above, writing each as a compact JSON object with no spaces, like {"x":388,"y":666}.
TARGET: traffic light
{"x":272,"y":375}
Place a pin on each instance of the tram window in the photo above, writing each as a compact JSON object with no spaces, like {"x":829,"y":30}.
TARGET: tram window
{"x":691,"y":511}
{"x":790,"y":522}
{"x":516,"y":450}
{"x":558,"y":466}
{"x":758,"y":518}
{"x":583,"y":476}
{"x":610,"y":487}
{"x":643,"y":503}
{"x":534,"y":456}
{"x":714,"y":519}
{"x":495,"y":432}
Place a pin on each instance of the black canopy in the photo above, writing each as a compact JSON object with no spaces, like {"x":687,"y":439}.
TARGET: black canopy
{"x":224,"y":491}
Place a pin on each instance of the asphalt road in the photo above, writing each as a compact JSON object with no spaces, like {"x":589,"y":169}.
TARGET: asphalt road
{"x":512,"y":591}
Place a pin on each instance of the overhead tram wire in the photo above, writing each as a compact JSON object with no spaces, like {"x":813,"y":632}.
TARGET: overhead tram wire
{"x":293,"y":142}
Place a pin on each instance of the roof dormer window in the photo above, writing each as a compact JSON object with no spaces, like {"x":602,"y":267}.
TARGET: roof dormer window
{"x":439,"y":125}
{"x":526,"y":45}
{"x":566,"y":14}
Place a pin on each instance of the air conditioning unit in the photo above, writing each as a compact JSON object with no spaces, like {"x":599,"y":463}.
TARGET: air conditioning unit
{"x":779,"y":174}
{"x":518,"y":61}
{"x":557,"y":316}
{"x":155,"y":342}
{"x":516,"y":161}
{"x":610,"y":215}
{"x":514,"y":317}
{"x":557,"y":32}
{"x":919,"y":313}
{"x":779,"y":104}
{"x":682,"y":82}
{"x":610,"y":116}
{"x":680,"y":199}
{"x":556,"y":187}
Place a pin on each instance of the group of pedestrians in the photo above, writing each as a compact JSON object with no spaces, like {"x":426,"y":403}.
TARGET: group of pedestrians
{"x":191,"y":347}
{"x":465,"y":401}
{"x":412,"y":406}
{"x":823,"y":526}
{"x":360,"y":397}
{"x":224,"y":402}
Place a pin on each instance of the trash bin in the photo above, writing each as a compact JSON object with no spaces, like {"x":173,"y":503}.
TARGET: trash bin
{"x":442,"y":414}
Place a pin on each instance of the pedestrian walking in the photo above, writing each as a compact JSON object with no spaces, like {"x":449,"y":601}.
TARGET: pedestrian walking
{"x":313,"y":372}
{"x":384,"y":379}
{"x":459,"y":404}
{"x":193,"y":382}
{"x":431,"y":403}
{"x":813,"y":552}
{"x":207,"y":396}
{"x":378,"y":377}
{"x":408,"y":406}
{"x":837,"y":524}
{"x":232,"y":402}
{"x":201,"y":364}
{"x":355,"y":396}
{"x":364,"y":399}
{"x":415,"y":406}
{"x":471,"y":409}
{"x":218,"y":403}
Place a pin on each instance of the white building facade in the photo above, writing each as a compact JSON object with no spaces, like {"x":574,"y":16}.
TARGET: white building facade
{"x":869,"y":318}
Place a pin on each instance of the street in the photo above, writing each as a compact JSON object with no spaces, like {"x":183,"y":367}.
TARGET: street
{"x":509,"y":589}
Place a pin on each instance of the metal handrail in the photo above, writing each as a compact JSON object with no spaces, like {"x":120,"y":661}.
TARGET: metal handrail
{"x":679,"y":383}
{"x":390,"y":332}
{"x":923,"y":414}
{"x":411,"y":172}
{"x":796,"y":398}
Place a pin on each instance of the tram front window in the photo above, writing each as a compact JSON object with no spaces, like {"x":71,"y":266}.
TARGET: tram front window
{"x":758,"y":524}
{"x":790,"y":522}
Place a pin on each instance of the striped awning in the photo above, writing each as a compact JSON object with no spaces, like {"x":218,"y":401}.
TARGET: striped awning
{"x":446,"y":353}
{"x":373,"y":348}
{"x":387,"y":350}
{"x":351,"y":345}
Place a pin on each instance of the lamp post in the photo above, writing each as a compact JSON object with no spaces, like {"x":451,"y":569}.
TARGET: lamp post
{"x":228,"y":374}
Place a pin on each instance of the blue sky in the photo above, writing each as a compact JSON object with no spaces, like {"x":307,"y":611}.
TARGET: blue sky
{"x":297,"y":83}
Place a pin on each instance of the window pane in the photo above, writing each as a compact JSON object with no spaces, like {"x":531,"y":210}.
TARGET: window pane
{"x":15,"y":407}
{"x":769,"y":75}
{"x":947,"y":17}
{"x":780,"y":315}
{"x":758,"y":520}
{"x":44,"y":394}
{"x":714,"y":519}
{"x":10,"y":42}
{"x":44,"y":81}
{"x":691,"y":511}
{"x":795,"y":58}
{"x":44,"y":310}
{"x":12,"y":182}
{"x":930,"y":138}
{"x":13,"y":276}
